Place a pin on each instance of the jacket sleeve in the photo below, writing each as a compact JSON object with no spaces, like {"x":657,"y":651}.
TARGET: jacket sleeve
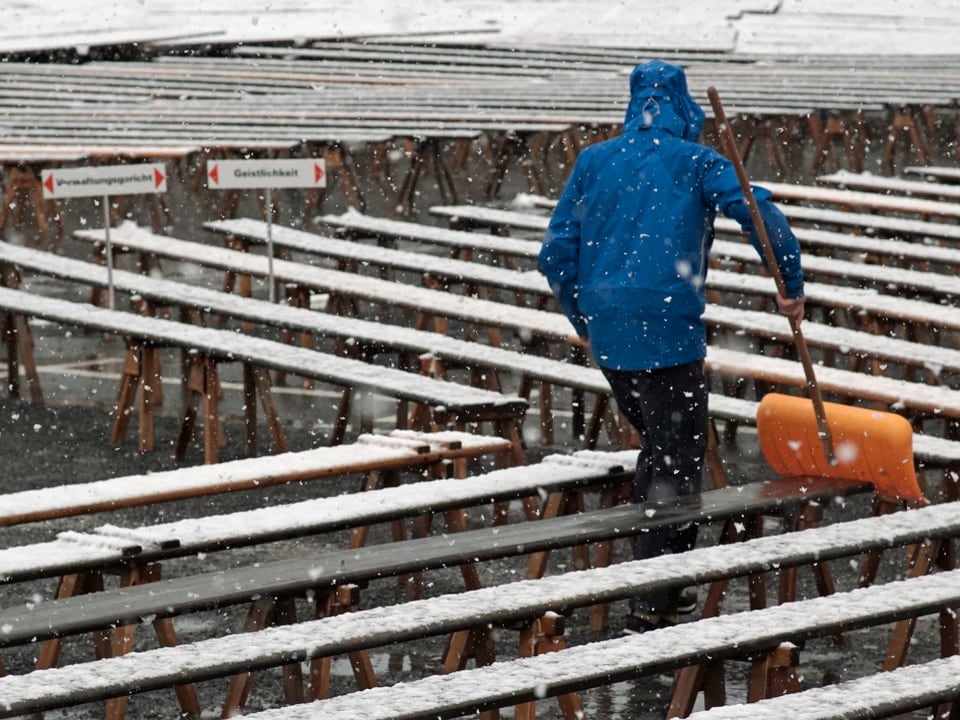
{"x":725,"y":187}
{"x":559,"y":257}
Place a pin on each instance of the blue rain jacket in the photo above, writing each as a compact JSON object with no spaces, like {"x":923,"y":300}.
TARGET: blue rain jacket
{"x":626,"y":249}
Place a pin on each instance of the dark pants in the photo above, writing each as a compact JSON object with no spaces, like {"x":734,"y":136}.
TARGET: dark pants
{"x":668,"y":408}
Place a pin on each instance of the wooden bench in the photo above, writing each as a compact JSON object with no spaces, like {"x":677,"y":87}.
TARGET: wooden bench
{"x":354,"y":288}
{"x":534,"y":605}
{"x":887,"y":694}
{"x":400,"y":450}
{"x":933,"y":284}
{"x":436,"y":402}
{"x":384,"y":500}
{"x":552,"y":325}
{"x":135,"y":554}
{"x":921,"y":231}
{"x":354,"y":254}
{"x":758,"y":633}
{"x":920,"y":321}
{"x":891,"y":185}
{"x":886,"y":251}
{"x":355,"y":225}
{"x":437,"y":272}
{"x":874,"y":202}
{"x":934,"y":173}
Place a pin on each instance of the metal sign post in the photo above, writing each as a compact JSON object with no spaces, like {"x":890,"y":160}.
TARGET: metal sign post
{"x":266,"y":175}
{"x":105,"y":181}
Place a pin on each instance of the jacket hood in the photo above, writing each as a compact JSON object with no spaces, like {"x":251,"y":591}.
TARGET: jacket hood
{"x":659,"y":98}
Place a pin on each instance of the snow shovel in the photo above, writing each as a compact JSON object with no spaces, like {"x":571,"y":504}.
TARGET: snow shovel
{"x":797,"y":439}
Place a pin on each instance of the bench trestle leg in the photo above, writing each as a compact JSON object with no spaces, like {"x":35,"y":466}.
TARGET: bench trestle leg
{"x":345,"y":598}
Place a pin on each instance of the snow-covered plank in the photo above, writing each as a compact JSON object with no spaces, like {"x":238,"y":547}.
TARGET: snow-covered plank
{"x":126,"y":605}
{"x":890,"y":185}
{"x":359,"y":224}
{"x":898,"y":395}
{"x":376,"y":290}
{"x":893,"y":251}
{"x":620,"y":659}
{"x":870,"y":224}
{"x":451,"y":269}
{"x":865,"y":200}
{"x":457,"y":399}
{"x":934,"y":173}
{"x":886,"y":694}
{"x":369,"y":452}
{"x":652,"y":652}
{"x":933,"y":359}
{"x":110,"y":544}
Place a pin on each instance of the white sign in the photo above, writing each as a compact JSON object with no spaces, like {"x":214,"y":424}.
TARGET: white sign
{"x":104,"y":180}
{"x":253,"y":174}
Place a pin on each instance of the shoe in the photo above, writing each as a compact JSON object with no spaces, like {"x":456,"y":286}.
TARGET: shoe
{"x":638,"y":623}
{"x":687,"y":601}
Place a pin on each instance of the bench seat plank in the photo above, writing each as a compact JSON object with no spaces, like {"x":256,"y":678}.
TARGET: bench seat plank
{"x":264,"y":353}
{"x":377,"y":627}
{"x":368,"y":453}
{"x":451,"y":269}
{"x":110,"y":544}
{"x":611,"y":661}
{"x":865,"y":200}
{"x":166,"y":598}
{"x":881,"y":695}
{"x":890,"y":185}
{"x":886,"y":225}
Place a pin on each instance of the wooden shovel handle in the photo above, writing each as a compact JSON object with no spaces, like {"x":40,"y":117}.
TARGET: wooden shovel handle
{"x":730,"y":146}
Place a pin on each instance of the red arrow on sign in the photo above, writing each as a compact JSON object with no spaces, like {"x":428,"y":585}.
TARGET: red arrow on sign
{"x":48,"y":184}
{"x":214,"y":174}
{"x":158,"y":178}
{"x":317,"y":173}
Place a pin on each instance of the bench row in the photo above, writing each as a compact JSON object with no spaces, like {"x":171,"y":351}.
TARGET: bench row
{"x":448,"y":350}
{"x":719,"y":638}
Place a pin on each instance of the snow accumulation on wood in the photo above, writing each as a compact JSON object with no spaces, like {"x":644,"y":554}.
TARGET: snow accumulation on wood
{"x":243,"y":474}
{"x":623,"y":657}
{"x":183,"y":537}
{"x":911,"y":686}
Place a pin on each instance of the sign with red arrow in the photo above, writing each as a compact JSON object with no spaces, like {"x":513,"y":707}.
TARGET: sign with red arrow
{"x":104,"y":180}
{"x":253,"y":174}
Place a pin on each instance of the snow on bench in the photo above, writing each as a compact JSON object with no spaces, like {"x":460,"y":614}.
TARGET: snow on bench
{"x":611,"y":661}
{"x":111,"y":544}
{"x":382,"y":292}
{"x":934,"y":360}
{"x":291,"y":576}
{"x":355,"y":254}
{"x":883,"y":225}
{"x":570,"y":669}
{"x":881,"y":695}
{"x":474,"y":216}
{"x":935,"y":284}
{"x":450,"y":402}
{"x":923,"y":314}
{"x":934,"y":173}
{"x":845,"y":179}
{"x":355,"y":224}
{"x":892,"y":280}
{"x":917,"y":399}
{"x":890,"y":251}
{"x":399,"y":449}
{"x":865,"y":200}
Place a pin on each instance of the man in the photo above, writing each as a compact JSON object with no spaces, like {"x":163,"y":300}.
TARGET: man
{"x":626,"y":255}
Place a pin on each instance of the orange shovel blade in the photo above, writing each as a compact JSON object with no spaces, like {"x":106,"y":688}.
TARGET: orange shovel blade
{"x":870,"y":446}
